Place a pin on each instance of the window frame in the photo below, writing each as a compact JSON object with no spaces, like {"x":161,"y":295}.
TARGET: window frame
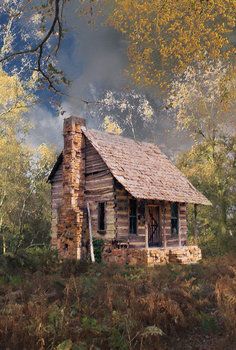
{"x":176,"y":217}
{"x":99,"y":229}
{"x":133,"y":216}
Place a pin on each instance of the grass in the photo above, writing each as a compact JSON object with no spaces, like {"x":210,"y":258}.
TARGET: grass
{"x":73,"y":305}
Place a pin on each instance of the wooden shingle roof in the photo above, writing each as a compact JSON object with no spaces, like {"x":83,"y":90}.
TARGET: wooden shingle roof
{"x":143,"y":170}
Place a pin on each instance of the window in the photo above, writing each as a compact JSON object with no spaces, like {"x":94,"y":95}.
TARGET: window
{"x":133,"y":216}
{"x":174,"y":219}
{"x":101,"y":216}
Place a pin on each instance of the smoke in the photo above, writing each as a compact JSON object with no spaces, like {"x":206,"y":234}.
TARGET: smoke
{"x":94,"y":63}
{"x":46,"y":128}
{"x":94,"y":58}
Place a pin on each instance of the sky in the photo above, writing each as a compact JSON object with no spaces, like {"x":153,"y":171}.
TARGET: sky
{"x":94,"y":59}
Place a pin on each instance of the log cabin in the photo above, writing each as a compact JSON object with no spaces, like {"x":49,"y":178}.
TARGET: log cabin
{"x":125,"y":192}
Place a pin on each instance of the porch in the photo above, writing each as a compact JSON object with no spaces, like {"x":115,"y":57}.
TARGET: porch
{"x":155,"y":224}
{"x":157,"y":235}
{"x":165,"y":224}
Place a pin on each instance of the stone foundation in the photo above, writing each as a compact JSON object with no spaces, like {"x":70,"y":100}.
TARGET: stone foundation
{"x":152,"y":256}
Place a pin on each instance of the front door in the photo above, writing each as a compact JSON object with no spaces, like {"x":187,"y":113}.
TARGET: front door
{"x":154,"y":238}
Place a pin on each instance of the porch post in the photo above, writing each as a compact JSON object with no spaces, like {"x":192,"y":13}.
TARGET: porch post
{"x":179,"y":225}
{"x":146,"y":225}
{"x":164,"y":223}
{"x":195,"y":222}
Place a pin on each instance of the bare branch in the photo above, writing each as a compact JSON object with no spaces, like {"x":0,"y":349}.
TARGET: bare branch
{"x":41,"y":44}
{"x":40,"y":70}
{"x":39,"y":47}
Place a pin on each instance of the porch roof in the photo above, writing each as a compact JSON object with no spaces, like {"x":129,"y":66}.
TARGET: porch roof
{"x":143,"y":170}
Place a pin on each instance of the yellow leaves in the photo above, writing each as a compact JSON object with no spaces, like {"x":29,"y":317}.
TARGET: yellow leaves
{"x":111,"y":126}
{"x":165,"y":36}
{"x":11,"y":94}
{"x":14,"y":101}
{"x":46,"y":155}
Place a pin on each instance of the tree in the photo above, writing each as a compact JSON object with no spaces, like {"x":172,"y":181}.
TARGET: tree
{"x":167,"y":36}
{"x":14,"y":165}
{"x":14,"y":101}
{"x":203,"y":100}
{"x":36,"y":223}
{"x":31,"y":36}
{"x":215,"y":177}
{"x":126,"y":113}
{"x":24,"y":195}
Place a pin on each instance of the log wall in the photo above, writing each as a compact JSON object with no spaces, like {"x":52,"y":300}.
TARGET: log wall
{"x":182,"y":237}
{"x":56,"y":202}
{"x":99,"y":187}
{"x":122,"y":198}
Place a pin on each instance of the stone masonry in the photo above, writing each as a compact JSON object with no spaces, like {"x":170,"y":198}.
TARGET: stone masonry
{"x":71,"y":213}
{"x":152,"y":256}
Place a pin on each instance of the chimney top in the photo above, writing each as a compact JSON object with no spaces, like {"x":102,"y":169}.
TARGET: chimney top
{"x":76,"y":120}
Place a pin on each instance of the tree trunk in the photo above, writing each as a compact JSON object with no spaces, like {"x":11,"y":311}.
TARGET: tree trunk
{"x":4,"y":246}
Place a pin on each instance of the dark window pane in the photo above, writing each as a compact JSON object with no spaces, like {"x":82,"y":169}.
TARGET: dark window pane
{"x":101,"y":216}
{"x":174,"y":210}
{"x":174,"y":219}
{"x":133,"y":216}
{"x":133,"y":225}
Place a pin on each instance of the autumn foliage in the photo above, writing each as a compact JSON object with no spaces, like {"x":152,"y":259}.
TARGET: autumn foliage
{"x":166,"y":37}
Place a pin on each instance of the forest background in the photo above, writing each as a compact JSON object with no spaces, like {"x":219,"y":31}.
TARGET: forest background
{"x":159,"y":71}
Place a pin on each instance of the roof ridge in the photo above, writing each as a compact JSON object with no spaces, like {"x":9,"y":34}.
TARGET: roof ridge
{"x":120,"y":136}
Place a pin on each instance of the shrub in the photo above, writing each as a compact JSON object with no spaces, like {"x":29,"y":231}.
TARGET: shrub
{"x":42,"y":258}
{"x":96,"y":306}
{"x":226,"y":299}
{"x":98,"y":245}
{"x":74,"y":267}
{"x":216,"y":245}
{"x":34,"y":259}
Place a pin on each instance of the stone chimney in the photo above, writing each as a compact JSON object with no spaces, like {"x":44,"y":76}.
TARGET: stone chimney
{"x":71,"y":216}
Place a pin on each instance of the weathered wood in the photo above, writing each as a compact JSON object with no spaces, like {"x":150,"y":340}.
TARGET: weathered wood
{"x":56,"y":202}
{"x":146,"y":226}
{"x":195,"y":222}
{"x":99,"y":185}
{"x":164,"y":224}
{"x":122,"y":212}
{"x":179,"y":227}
